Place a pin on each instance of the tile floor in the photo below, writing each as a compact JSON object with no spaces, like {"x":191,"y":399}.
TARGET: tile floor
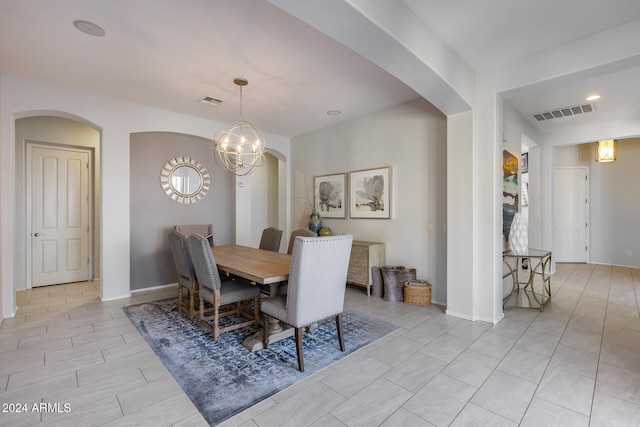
{"x":575,"y":364}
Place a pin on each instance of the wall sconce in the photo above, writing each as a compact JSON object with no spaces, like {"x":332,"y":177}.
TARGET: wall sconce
{"x":606,"y":150}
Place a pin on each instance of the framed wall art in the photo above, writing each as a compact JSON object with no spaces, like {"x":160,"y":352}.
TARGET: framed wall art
{"x":370,"y":193}
{"x":329,"y":192}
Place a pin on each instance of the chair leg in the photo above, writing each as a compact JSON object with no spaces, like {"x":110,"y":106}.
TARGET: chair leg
{"x":339,"y":328}
{"x":299,"y":349}
{"x":216,"y":315}
{"x":201,"y":319}
{"x":192,"y":293}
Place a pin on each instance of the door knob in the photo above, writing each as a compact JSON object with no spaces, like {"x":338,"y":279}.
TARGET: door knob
{"x":37,"y":235}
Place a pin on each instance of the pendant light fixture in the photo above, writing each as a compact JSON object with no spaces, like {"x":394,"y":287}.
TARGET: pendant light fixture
{"x":606,"y":150}
{"x":240,"y":147}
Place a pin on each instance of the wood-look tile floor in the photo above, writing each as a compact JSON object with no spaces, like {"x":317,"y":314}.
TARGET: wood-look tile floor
{"x":82,"y":363}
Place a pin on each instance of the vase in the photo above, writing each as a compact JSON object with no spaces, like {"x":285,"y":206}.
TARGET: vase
{"x":315,"y":222}
{"x":325,"y":231}
{"x":519,"y":235}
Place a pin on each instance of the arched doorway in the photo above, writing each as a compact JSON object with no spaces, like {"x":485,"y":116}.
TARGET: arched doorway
{"x":55,"y":133}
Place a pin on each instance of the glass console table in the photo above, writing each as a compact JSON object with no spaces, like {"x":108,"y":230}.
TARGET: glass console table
{"x":531,"y":285}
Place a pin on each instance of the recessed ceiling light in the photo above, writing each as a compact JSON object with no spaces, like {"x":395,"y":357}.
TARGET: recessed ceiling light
{"x":333,"y":113}
{"x":593,"y":97}
{"x":89,"y":28}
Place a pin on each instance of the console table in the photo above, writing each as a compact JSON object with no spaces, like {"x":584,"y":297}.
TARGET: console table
{"x":364,"y":255}
{"x":531,"y":287}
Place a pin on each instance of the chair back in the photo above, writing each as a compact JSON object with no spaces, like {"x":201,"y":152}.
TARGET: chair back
{"x":203,"y":262}
{"x":270,"y":240}
{"x":205,"y":230}
{"x":299,"y":232}
{"x":318,"y":278}
{"x":181,"y":257}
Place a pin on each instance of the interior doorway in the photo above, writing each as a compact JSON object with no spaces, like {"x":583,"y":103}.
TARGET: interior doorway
{"x":80,"y":142}
{"x":571,"y":215}
{"x":59,"y":212}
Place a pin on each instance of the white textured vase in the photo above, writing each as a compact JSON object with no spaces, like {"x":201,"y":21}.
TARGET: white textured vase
{"x":519,"y":235}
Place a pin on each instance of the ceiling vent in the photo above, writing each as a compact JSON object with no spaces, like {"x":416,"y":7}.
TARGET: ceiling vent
{"x":210,"y":100}
{"x":563,"y":112}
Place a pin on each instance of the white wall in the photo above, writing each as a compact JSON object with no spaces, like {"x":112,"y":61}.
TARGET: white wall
{"x":22,"y":97}
{"x":517,"y":131}
{"x":411,"y":138}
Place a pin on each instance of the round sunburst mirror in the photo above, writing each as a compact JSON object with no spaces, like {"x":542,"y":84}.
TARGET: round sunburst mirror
{"x":185,"y":180}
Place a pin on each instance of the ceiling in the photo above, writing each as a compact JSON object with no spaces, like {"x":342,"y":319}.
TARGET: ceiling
{"x":169,"y":54}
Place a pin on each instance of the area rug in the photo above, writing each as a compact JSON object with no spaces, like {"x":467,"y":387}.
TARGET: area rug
{"x":223,"y":378}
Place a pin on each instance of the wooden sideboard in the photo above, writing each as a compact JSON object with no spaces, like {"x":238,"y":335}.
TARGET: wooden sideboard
{"x":364,"y":255}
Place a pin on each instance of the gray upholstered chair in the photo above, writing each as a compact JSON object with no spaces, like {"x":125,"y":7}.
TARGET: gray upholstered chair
{"x":270,"y":239}
{"x":205,"y":230}
{"x":299,"y":232}
{"x":186,"y":274}
{"x":224,"y":297}
{"x":317,"y":282}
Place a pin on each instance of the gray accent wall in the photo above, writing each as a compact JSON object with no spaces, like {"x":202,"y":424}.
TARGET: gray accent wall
{"x":153,"y":214}
{"x":614,"y":201}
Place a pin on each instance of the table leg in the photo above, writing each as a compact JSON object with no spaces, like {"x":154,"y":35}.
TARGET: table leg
{"x":277,"y":331}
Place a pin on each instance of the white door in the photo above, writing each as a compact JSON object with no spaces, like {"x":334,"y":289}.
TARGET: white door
{"x":59,"y":209}
{"x":571,"y":224}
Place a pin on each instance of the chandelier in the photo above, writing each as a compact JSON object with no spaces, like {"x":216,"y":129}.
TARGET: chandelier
{"x":606,"y":150}
{"x":240,"y":147}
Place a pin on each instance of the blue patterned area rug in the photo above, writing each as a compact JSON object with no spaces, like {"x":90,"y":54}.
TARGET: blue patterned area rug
{"x":223,"y":378}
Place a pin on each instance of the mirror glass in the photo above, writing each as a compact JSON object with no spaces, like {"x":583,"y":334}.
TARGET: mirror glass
{"x":184,"y":180}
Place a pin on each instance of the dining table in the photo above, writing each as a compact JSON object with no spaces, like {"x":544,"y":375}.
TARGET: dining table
{"x":261,"y":267}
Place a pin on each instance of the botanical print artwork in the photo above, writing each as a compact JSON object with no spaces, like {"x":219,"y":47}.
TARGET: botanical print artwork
{"x":329,"y":193}
{"x":510,"y":191}
{"x":370,"y":193}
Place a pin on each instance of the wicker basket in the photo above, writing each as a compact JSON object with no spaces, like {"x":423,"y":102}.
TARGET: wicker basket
{"x":417,"y":292}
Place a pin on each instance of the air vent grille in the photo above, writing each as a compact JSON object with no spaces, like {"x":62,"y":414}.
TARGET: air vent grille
{"x":563,"y":112}
{"x":211,"y":100}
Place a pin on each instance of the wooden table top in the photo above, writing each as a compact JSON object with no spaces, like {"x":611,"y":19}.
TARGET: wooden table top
{"x":258,"y":265}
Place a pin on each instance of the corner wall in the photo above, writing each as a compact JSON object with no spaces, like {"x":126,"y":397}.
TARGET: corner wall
{"x":412,"y":139}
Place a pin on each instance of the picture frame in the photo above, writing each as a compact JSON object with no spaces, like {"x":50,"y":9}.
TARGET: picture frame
{"x":370,"y":193}
{"x":524,"y":163}
{"x":329,"y":195}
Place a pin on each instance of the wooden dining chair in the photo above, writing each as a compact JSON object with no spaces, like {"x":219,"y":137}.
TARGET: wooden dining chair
{"x":225,"y":297}
{"x":317,"y":282}
{"x":186,"y":274}
{"x":270,"y":239}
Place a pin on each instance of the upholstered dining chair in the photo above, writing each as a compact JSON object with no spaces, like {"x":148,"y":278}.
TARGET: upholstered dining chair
{"x":205,"y":230}
{"x":270,"y":239}
{"x":299,"y":232}
{"x":186,"y":274}
{"x":317,"y":282}
{"x":225,"y":297}
{"x":283,"y":286}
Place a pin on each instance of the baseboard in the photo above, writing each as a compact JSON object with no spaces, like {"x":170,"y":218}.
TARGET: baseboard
{"x":116,"y":298}
{"x":154,"y":288}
